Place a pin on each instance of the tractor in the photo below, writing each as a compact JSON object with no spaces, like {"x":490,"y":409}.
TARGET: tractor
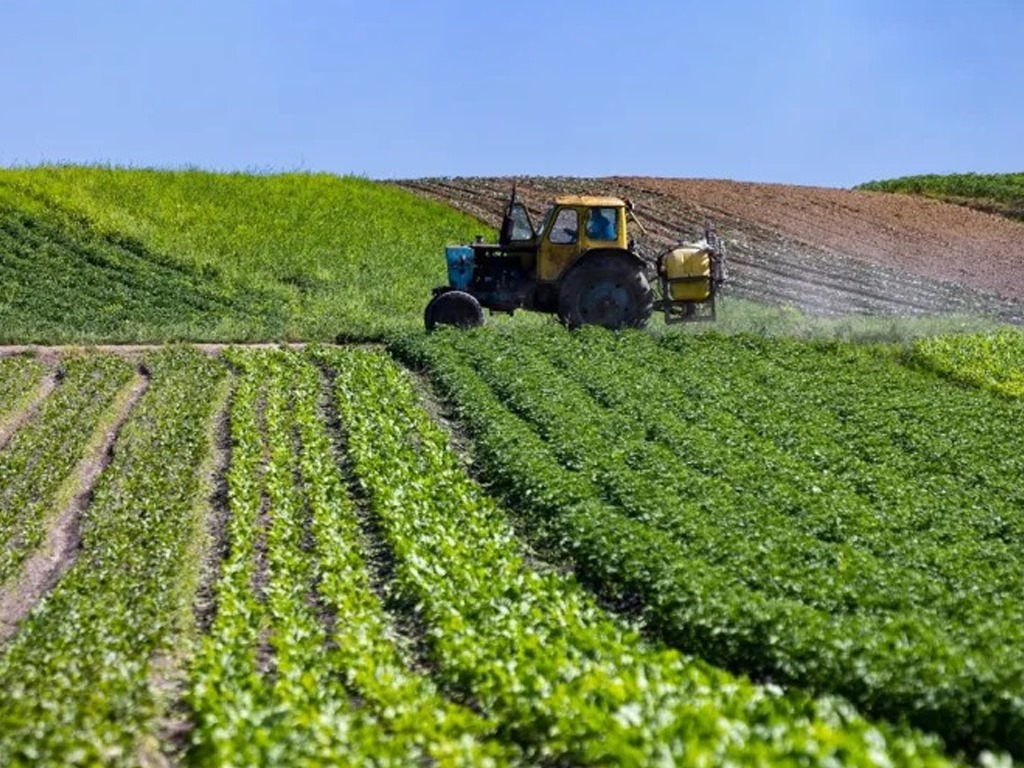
{"x":579,"y":265}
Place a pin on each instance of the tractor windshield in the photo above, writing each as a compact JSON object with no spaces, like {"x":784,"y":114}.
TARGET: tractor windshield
{"x":521,"y":227}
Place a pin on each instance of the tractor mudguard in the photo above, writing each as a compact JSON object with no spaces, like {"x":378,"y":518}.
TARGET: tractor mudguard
{"x":599,"y":253}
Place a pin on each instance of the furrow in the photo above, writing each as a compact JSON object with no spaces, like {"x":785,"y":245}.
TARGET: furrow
{"x":218,"y":516}
{"x":37,"y":468}
{"x":23,"y":408}
{"x":57,"y":551}
{"x":76,"y":675}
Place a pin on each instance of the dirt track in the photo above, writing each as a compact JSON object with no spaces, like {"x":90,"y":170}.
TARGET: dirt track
{"x":52,"y":354}
{"x":827,"y":251}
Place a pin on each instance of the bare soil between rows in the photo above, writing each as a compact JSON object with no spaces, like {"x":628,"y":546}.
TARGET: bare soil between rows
{"x":931,"y":238}
{"x":52,"y":353}
{"x":57,"y":553}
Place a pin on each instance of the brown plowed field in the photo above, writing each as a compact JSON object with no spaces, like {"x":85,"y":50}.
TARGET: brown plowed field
{"x":827,"y":251}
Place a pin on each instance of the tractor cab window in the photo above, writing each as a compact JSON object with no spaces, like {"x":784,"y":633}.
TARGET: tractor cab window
{"x":565,"y":228}
{"x":515,"y":226}
{"x":522,"y":229}
{"x":601,"y":224}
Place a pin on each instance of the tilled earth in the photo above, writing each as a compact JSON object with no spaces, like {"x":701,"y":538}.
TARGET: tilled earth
{"x":827,"y":251}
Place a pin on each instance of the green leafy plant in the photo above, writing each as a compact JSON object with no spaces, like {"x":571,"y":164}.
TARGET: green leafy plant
{"x":75,"y":676}
{"x":567,"y":682}
{"x":794,"y":511}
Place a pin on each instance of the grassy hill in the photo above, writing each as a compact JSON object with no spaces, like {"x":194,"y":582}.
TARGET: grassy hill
{"x":96,"y":254}
{"x":999,"y":193}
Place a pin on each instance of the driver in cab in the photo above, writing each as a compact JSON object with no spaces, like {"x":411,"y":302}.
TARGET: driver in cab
{"x":600,"y":225}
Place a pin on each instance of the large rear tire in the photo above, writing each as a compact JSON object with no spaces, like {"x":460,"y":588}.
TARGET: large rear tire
{"x":607,"y":290}
{"x":454,"y":308}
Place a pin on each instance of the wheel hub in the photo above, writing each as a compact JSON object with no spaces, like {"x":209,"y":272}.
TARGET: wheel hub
{"x":605,"y":302}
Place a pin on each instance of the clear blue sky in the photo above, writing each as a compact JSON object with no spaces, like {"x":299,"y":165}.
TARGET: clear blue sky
{"x":828,"y":92}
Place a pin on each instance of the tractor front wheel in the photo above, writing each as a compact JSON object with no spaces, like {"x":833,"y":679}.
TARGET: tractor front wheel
{"x":607,"y":290}
{"x":455,"y":308}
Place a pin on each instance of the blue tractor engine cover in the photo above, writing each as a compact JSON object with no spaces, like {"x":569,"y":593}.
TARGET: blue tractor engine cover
{"x":460,"y":266}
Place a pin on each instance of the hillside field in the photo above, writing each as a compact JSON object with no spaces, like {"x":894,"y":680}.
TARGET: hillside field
{"x":111,"y":255}
{"x":824,"y":252}
{"x":792,"y":538}
{"x":998,"y":193}
{"x":98,"y":255}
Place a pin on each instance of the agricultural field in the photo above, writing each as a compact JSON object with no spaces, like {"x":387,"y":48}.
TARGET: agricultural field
{"x":993,"y":361}
{"x":106,"y":255}
{"x":92,"y":255}
{"x":283,"y":561}
{"x":998,"y":193}
{"x":825,"y":252}
{"x":810,"y":514}
{"x":511,"y":546}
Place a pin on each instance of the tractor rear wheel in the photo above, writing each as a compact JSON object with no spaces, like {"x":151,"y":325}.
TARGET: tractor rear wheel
{"x":607,"y":290}
{"x":455,"y":308}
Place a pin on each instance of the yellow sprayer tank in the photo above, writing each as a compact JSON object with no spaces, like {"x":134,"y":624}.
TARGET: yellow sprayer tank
{"x":692,"y":265}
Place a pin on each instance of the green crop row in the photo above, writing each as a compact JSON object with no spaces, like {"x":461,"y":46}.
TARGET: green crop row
{"x":566,"y":682}
{"x":793,"y":511}
{"x":992,"y":361}
{"x":406,"y":702}
{"x":36,"y":465}
{"x":225,"y":671}
{"x":76,"y":677}
{"x":275,"y":682}
{"x":19,"y":377}
{"x":262,"y":694}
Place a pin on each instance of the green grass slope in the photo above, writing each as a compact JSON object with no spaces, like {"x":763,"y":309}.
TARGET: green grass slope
{"x":92,"y":254}
{"x":998,"y":193}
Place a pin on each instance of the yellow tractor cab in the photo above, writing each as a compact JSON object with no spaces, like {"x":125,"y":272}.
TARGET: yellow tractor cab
{"x":578,"y":264}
